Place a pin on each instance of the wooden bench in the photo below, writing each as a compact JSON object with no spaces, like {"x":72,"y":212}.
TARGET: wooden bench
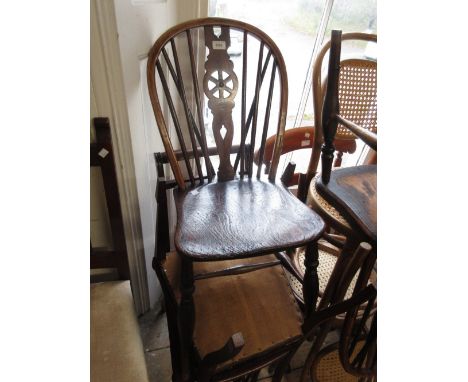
{"x":116,"y":348}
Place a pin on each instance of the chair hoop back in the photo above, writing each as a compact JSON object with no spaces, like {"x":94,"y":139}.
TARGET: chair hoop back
{"x":220,"y":87}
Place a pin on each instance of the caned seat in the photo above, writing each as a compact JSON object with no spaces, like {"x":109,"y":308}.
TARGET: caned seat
{"x":240,"y":303}
{"x":328,"y":368}
{"x":239,"y":218}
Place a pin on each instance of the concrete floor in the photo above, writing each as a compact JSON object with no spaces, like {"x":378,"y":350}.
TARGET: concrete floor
{"x":155,"y":336}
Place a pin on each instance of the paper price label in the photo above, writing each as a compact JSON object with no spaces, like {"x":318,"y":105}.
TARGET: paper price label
{"x":220,"y":45}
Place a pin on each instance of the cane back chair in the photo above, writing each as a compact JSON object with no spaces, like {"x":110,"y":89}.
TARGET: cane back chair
{"x":347,"y":197}
{"x":234,"y":213}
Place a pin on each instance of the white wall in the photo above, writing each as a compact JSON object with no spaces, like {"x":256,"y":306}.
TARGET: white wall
{"x":139,"y":24}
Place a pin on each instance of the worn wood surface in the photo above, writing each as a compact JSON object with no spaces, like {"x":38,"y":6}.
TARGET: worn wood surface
{"x":241,"y":218}
{"x":353,"y":192}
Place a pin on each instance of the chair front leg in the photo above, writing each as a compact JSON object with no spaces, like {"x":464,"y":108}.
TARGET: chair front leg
{"x":187,"y":318}
{"x":310,"y":286}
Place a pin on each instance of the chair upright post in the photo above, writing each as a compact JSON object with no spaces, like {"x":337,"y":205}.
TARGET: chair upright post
{"x":331,"y":106}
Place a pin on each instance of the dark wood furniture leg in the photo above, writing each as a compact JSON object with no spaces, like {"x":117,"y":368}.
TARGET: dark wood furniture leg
{"x":310,"y":286}
{"x":187,"y":317}
{"x":341,"y":264}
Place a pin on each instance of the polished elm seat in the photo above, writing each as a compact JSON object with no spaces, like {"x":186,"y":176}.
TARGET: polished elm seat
{"x":222,"y":220}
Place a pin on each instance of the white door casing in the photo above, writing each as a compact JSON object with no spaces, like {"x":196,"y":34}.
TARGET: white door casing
{"x":108,"y":100}
{"x":139,"y":24}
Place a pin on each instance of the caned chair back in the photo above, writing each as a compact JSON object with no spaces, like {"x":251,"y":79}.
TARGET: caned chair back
{"x":239,"y":73}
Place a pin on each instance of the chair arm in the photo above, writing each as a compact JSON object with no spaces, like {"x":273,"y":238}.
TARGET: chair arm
{"x":367,"y":136}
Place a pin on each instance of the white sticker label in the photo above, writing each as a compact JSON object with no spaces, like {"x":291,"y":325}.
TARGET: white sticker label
{"x":307,"y":135}
{"x":103,"y":153}
{"x":219,"y":45}
{"x":305,"y":143}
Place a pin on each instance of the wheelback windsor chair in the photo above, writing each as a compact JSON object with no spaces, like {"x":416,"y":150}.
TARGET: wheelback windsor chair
{"x":234,"y":213}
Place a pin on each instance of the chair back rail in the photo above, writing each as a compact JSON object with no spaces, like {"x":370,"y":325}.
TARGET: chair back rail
{"x":181,"y":88}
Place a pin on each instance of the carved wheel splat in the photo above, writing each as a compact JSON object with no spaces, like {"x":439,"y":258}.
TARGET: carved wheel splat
{"x":220,"y":85}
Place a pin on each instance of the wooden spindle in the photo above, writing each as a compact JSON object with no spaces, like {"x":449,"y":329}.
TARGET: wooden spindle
{"x":188,"y":114}
{"x":176,"y":121}
{"x":187,"y":312}
{"x":170,"y":66}
{"x":255,"y":114}
{"x":310,"y":286}
{"x":209,"y":167}
{"x":244,"y":96}
{"x":331,"y":106}
{"x":250,"y":115}
{"x":267,"y":119}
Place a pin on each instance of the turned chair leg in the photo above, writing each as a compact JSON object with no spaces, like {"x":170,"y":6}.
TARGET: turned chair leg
{"x":187,"y":318}
{"x":310,"y":286}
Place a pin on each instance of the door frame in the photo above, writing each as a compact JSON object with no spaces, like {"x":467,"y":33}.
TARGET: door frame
{"x":108,"y":97}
